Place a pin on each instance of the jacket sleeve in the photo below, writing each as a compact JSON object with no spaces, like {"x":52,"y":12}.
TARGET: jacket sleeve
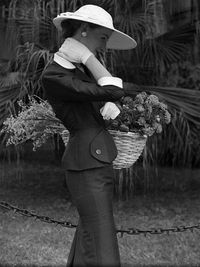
{"x":71,"y":88}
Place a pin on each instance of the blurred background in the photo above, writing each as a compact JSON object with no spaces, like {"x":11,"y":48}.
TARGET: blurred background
{"x":161,"y":189}
{"x":166,"y":62}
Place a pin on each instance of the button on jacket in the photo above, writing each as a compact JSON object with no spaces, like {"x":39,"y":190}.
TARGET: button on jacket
{"x":76,"y":100}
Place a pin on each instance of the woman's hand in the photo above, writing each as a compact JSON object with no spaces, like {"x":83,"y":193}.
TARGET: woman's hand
{"x":74,"y":51}
{"x":109,"y":111}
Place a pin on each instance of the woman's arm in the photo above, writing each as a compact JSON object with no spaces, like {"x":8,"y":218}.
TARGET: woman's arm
{"x":101,"y":74}
{"x":75,"y":51}
{"x":96,"y":68}
{"x":67,"y":86}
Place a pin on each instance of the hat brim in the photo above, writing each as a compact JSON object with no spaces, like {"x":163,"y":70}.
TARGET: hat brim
{"x":118,"y":40}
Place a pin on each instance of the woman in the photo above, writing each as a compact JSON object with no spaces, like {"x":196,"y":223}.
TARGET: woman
{"x":81,"y":92}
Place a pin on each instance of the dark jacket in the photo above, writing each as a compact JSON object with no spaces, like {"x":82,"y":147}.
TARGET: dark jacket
{"x":76,"y":100}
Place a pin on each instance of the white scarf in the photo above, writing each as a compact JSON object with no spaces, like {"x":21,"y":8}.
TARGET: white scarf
{"x":59,"y":57}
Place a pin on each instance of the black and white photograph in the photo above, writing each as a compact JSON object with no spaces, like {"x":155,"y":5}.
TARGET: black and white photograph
{"x":99,"y":133}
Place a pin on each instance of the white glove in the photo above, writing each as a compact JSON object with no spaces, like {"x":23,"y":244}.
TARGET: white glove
{"x":74,"y":51}
{"x":109,"y":111}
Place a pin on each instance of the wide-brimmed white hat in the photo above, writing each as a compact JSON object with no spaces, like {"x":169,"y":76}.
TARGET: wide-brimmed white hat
{"x":97,"y":15}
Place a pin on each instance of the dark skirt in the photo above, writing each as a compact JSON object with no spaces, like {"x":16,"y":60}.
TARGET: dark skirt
{"x":95,"y":241}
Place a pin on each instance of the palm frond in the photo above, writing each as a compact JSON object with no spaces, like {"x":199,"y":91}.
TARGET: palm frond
{"x":167,"y":48}
{"x":158,"y":46}
{"x":184,"y":101}
{"x":174,"y":147}
{"x":178,"y":6}
{"x":25,"y":77}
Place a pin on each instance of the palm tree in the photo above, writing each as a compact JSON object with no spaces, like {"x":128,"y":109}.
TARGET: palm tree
{"x":161,"y":42}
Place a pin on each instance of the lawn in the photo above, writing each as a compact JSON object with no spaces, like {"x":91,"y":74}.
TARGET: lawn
{"x":40,"y":189}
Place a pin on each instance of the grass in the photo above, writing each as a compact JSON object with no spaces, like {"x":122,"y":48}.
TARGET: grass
{"x":40,"y":188}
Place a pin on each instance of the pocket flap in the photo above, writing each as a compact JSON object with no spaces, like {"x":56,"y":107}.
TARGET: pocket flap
{"x":103,"y":147}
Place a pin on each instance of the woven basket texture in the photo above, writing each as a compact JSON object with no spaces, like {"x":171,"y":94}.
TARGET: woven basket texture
{"x":129,"y":145}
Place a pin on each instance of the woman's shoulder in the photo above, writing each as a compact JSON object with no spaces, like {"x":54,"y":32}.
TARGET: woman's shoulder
{"x":55,"y":69}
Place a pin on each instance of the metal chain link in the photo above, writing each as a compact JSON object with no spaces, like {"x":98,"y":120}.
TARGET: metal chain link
{"x":129,"y":231}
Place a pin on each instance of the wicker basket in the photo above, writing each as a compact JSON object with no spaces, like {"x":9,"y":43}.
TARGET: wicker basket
{"x":129,"y":145}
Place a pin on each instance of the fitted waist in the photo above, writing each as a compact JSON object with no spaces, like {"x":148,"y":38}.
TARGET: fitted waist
{"x":85,"y":130}
{"x":89,"y":148}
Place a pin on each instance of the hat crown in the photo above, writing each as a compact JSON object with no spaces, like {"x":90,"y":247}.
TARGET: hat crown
{"x":95,"y":13}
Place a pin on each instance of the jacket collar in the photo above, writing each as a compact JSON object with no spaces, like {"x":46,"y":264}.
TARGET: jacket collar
{"x":63,"y":62}
{"x":80,"y":69}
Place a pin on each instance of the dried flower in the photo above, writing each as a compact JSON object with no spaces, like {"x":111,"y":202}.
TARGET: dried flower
{"x":36,"y":121}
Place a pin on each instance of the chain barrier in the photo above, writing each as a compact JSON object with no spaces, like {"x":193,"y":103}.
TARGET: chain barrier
{"x":129,"y":231}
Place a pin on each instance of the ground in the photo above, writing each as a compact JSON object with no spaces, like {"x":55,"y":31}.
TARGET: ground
{"x":40,"y":188}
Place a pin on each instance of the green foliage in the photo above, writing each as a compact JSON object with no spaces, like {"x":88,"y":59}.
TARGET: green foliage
{"x":21,"y":76}
{"x":185,"y":133}
{"x":183,"y":74}
{"x":156,"y":62}
{"x":174,"y":147}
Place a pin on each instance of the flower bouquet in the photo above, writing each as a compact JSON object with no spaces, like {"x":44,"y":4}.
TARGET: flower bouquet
{"x":145,"y":115}
{"x":139,"y":118}
{"x":36,"y":121}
